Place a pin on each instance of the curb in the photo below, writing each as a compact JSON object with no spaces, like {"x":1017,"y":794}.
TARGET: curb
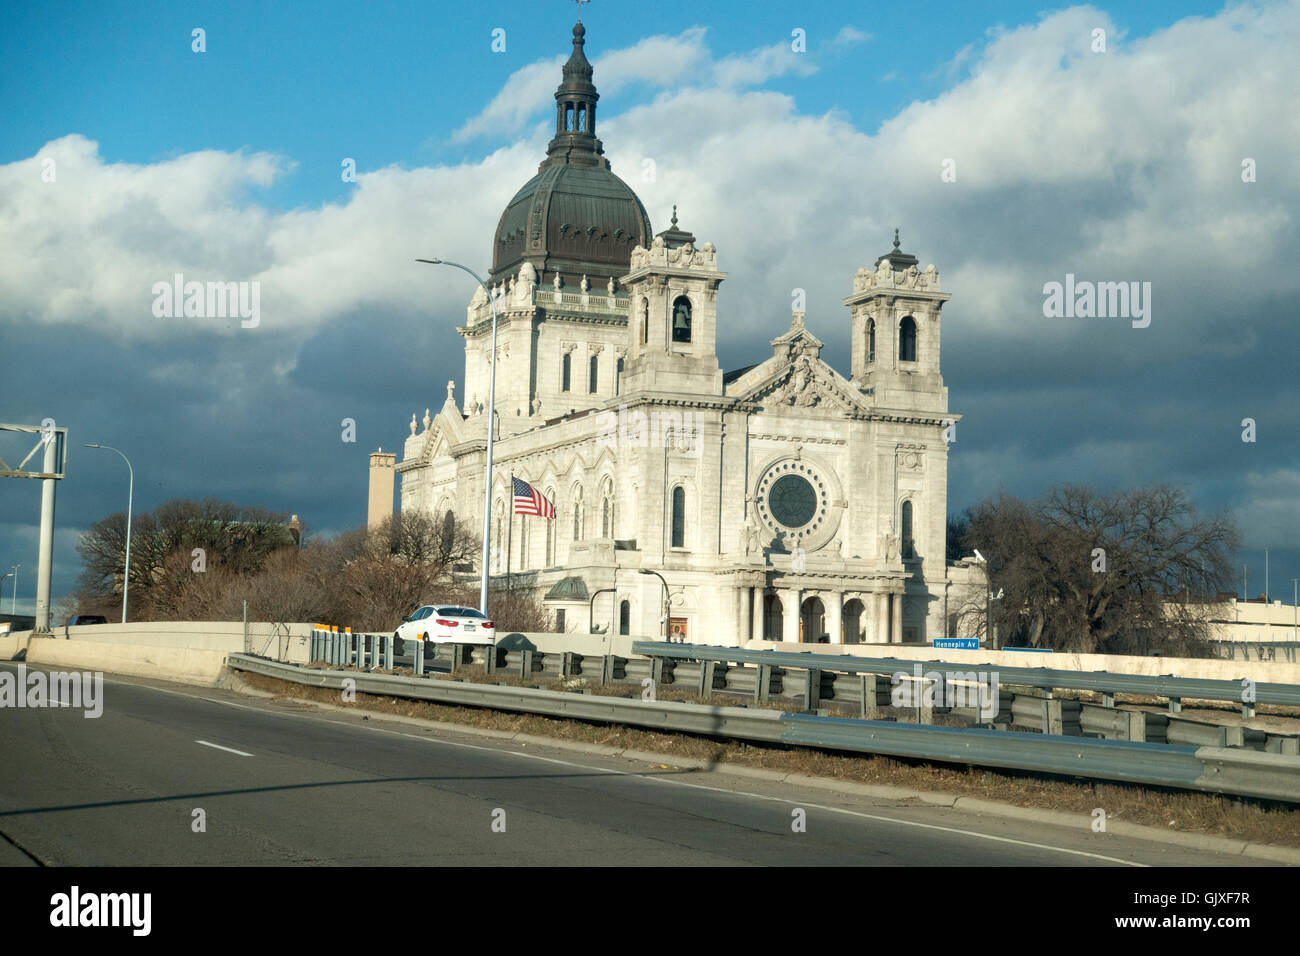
{"x":1261,"y":851}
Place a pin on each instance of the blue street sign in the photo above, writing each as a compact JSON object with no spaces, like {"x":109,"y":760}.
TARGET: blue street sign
{"x":958,"y":643}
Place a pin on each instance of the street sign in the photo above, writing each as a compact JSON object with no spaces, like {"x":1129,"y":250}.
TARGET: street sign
{"x":958,"y":643}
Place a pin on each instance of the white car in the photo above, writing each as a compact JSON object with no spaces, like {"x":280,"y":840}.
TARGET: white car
{"x":447,"y":624}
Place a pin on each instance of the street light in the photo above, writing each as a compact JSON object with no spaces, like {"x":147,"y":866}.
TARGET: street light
{"x":492,"y":404}
{"x":666,"y":601}
{"x":13,"y":603}
{"x":130,"y":496}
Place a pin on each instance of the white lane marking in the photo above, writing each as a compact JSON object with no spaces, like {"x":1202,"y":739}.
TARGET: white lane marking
{"x":679,"y":783}
{"x":228,"y":750}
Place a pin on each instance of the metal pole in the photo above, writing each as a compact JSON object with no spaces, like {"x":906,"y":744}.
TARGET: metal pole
{"x":1295,"y":609}
{"x":13,"y":602}
{"x":591,"y":609}
{"x":130,"y":501}
{"x":492,"y":402}
{"x":667,"y":600}
{"x":45,"y":564}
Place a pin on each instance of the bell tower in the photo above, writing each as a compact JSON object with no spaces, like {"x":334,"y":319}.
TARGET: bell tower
{"x":895,"y":332}
{"x":672,"y":322}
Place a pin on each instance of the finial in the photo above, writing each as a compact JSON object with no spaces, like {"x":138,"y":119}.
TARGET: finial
{"x":674,"y":215}
{"x":580,"y":3}
{"x":895,"y":238}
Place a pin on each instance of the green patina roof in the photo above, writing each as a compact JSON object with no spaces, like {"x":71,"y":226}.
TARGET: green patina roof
{"x":569,"y":589}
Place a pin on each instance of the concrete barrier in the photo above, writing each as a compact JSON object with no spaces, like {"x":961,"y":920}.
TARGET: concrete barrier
{"x":1264,"y":672}
{"x":183,"y":664}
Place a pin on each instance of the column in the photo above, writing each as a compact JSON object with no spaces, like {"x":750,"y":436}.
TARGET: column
{"x":896,"y":619}
{"x":835,"y":617}
{"x":881,"y":635}
{"x":790,"y":601}
{"x":740,"y":615}
{"x":756,"y":613}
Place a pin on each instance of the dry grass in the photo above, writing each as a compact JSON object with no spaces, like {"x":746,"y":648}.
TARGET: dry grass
{"x":1171,"y":810}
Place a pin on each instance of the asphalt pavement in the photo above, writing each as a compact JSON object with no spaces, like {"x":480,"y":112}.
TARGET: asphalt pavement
{"x":280,"y":782}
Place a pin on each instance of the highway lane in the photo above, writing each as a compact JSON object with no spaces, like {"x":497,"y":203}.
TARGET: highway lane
{"x":319,"y":789}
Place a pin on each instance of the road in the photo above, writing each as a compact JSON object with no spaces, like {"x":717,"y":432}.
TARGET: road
{"x":280,"y":782}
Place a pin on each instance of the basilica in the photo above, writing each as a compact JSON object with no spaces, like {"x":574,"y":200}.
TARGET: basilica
{"x":785,"y":501}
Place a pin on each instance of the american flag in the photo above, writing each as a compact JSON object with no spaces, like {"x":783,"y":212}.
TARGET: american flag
{"x":530,"y":501}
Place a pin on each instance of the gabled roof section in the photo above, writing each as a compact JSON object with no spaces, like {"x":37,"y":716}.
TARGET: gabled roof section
{"x":796,"y":376}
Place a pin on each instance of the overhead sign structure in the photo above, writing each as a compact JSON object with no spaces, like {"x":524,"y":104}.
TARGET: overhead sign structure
{"x":53,"y":442}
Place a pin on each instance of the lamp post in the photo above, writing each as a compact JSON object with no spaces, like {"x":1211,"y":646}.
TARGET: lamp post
{"x":665,"y":583}
{"x":130,"y":496}
{"x":13,"y":602}
{"x":492,"y":404}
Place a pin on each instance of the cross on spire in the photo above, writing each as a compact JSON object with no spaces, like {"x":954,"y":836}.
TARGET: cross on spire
{"x":580,"y":3}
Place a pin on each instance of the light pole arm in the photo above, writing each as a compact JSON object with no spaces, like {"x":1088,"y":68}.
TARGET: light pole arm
{"x":130,"y":502}
{"x":492,"y":404}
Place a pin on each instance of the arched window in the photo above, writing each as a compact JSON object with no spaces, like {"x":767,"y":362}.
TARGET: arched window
{"x":565,"y":373}
{"x":550,"y":533}
{"x":907,"y":339}
{"x":681,"y":319}
{"x":624,"y":617}
{"x":582,"y":118}
{"x":523,"y":542}
{"x":645,"y":321}
{"x":499,"y":521}
{"x":871,"y":341}
{"x":577,"y":515}
{"x":679,"y":517}
{"x":595,"y":379}
{"x":908,"y":550}
{"x":606,"y":517}
{"x":448,"y":531}
{"x":618,"y":377}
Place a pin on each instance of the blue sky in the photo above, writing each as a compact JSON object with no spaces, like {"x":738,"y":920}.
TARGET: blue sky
{"x":1115,"y":166}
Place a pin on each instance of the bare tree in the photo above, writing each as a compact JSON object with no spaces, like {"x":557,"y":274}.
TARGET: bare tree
{"x":1087,"y":572}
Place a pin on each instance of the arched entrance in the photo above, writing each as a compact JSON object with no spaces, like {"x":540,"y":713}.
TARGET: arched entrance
{"x":773,"y":618}
{"x":812,"y":621}
{"x":853,"y":621}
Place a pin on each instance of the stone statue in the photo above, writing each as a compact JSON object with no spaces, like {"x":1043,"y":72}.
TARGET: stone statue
{"x":585,"y":285}
{"x":932,"y":277}
{"x":750,"y":541}
{"x":427,"y":420}
{"x":557,"y":282}
{"x":610,"y":287}
{"x":451,"y":391}
{"x":414,"y":426}
{"x":910,"y":275}
{"x":537,"y":404}
{"x":885,"y":272}
{"x":889,"y":546}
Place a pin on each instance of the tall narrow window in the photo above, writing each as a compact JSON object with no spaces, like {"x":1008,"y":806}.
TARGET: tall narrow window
{"x":594,"y":375}
{"x":607,"y":518}
{"x":618,"y":377}
{"x":871,"y":341}
{"x":907,"y":339}
{"x":550,"y":533}
{"x":566,"y":372}
{"x":907,"y":548}
{"x":679,"y":517}
{"x":624,"y":617}
{"x":681,"y":319}
{"x":645,"y":321}
{"x":523,"y":542}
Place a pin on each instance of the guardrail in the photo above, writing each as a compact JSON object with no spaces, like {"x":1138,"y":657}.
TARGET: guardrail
{"x":1208,"y":769}
{"x":1105,"y":682}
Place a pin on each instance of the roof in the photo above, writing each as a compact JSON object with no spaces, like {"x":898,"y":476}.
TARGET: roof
{"x":569,"y":589}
